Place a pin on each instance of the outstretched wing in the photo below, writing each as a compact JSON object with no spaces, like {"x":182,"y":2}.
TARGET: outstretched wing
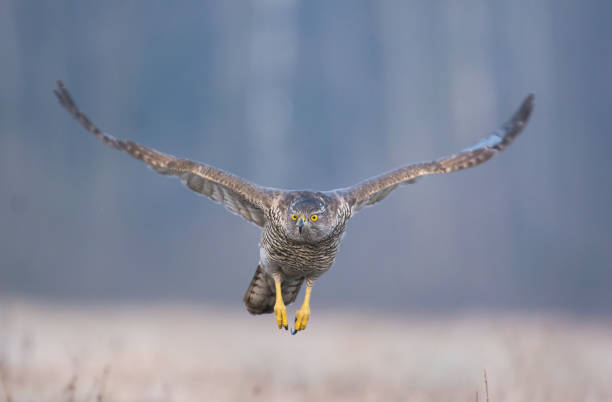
{"x":377,"y":188}
{"x":238,"y":195}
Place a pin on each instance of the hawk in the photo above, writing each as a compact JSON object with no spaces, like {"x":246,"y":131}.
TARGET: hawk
{"x":302,"y":230}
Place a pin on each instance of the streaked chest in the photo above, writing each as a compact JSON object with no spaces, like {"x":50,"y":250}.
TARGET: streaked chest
{"x":297,"y":258}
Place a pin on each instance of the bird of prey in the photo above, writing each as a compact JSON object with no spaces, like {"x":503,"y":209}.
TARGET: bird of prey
{"x":302,"y":230}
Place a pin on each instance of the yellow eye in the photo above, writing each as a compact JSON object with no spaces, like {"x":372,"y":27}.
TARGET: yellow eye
{"x":314,"y":217}
{"x":294,"y":217}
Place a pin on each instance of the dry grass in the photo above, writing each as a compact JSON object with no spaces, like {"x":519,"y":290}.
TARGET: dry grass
{"x":184,"y":353}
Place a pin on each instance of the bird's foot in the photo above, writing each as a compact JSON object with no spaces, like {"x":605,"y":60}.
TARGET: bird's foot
{"x":281,"y":315}
{"x":301,"y":319}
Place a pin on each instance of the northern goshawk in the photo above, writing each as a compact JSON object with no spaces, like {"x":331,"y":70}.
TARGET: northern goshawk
{"x":302,"y":230}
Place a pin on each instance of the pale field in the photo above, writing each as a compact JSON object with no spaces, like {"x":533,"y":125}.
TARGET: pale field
{"x":191,"y":353}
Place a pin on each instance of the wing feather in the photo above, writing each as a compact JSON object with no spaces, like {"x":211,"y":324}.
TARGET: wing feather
{"x":236,"y":194}
{"x":377,"y":188}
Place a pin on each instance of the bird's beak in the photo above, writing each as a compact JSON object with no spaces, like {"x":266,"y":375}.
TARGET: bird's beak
{"x":300,"y":223}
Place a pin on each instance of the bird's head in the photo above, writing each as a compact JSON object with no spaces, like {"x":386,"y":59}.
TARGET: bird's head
{"x":308,"y":220}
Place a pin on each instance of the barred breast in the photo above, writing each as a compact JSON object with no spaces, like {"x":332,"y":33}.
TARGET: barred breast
{"x":297,"y":258}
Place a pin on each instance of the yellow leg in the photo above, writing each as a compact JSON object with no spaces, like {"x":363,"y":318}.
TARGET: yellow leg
{"x":279,"y":307}
{"x":303,"y":314}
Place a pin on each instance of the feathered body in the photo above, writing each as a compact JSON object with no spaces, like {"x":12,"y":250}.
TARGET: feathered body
{"x":295,"y":260}
{"x":302,"y":230}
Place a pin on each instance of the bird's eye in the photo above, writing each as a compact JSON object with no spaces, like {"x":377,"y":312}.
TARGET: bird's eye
{"x":314,"y":217}
{"x":294,"y":217}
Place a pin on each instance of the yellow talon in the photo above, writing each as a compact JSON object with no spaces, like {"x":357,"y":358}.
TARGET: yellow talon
{"x":281,"y":315}
{"x":279,"y":307}
{"x":303,"y":314}
{"x":301,"y":318}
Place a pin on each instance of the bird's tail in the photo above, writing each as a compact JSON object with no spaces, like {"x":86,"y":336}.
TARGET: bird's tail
{"x":261,"y":294}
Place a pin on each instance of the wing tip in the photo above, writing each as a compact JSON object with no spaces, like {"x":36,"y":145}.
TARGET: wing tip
{"x":524,"y":112}
{"x":62,"y":95}
{"x":519,"y":120}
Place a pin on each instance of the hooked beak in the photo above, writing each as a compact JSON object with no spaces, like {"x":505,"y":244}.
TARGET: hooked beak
{"x":300,"y":224}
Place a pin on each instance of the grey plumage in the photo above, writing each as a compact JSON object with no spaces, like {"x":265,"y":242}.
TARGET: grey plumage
{"x":260,"y":295}
{"x":236,"y":194}
{"x":302,"y":230}
{"x":377,"y":188}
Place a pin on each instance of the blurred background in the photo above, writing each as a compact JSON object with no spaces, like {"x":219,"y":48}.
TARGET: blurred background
{"x":313,"y":95}
{"x":316,"y":95}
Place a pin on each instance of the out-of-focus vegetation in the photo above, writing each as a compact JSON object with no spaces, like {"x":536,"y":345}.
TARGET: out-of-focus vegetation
{"x":184,"y":353}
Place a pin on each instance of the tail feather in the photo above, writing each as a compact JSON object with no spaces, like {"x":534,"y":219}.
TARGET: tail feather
{"x":260,"y":297}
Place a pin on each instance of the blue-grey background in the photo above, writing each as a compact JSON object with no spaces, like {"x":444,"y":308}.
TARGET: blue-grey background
{"x":318,"y":95}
